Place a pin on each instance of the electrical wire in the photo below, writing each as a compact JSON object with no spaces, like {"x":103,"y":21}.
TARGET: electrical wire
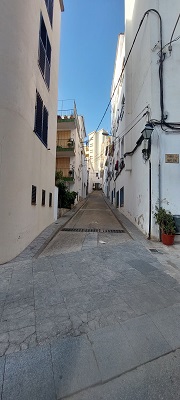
{"x":124,"y":132}
{"x":172,"y":41}
{"x":174,"y":29}
{"x":126,"y":61}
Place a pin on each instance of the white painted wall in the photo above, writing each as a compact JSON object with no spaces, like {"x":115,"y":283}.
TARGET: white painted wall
{"x":141,"y":89}
{"x":24,"y":160}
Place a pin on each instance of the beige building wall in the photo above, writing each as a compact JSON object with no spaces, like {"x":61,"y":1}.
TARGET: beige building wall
{"x":24,"y":159}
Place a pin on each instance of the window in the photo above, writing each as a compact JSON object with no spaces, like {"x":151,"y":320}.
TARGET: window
{"x":49,"y":6}
{"x":43,"y":198}
{"x":50,"y":199}
{"x":122,"y":197}
{"x":44,"y":52}
{"x":33,"y":195}
{"x":41,"y":120}
{"x":122,"y":108}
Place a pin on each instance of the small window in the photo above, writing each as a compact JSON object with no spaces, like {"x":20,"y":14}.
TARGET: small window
{"x":49,"y":6}
{"x":33,"y":195}
{"x":50,"y":199}
{"x":41,"y":120}
{"x":43,"y":197}
{"x":122,"y":197}
{"x":96,"y":174}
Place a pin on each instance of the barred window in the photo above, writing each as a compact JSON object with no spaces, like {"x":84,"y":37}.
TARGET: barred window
{"x":49,"y":6}
{"x":122,"y":197}
{"x":33,"y":195}
{"x":41,"y":120}
{"x":44,"y":58}
{"x":50,"y":199}
{"x":43,"y":197}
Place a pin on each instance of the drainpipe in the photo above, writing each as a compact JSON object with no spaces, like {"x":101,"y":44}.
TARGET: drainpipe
{"x":150,"y":201}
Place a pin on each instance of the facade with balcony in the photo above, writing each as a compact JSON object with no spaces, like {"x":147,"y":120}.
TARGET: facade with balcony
{"x":29,"y":56}
{"x":70,"y":155}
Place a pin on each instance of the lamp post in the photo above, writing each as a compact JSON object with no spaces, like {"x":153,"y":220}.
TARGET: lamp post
{"x":147,"y":132}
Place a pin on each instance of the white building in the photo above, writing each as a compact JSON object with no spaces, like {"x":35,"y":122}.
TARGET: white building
{"x":29,"y":54}
{"x":98,"y":141}
{"x":70,"y":154}
{"x":146,"y":89}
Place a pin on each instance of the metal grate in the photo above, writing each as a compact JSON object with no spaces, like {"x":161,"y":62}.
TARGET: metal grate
{"x":93,"y":230}
{"x":155,"y":251}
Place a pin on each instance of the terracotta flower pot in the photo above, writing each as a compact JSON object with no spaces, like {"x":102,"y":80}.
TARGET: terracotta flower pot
{"x":168,"y":240}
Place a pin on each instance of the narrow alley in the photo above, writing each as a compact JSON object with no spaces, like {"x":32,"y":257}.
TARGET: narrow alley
{"x":95,"y":315}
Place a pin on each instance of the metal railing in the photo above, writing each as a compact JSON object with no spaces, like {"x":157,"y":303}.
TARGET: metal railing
{"x":65,"y":144}
{"x":67,"y":173}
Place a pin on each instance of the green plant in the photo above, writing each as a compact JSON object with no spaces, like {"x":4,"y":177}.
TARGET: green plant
{"x":65,"y":197}
{"x":165,"y":221}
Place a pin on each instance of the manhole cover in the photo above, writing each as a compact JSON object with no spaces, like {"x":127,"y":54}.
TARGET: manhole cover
{"x":93,"y":230}
{"x":155,"y":251}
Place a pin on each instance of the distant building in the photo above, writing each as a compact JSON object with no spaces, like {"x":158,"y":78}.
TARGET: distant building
{"x":98,"y":141}
{"x":145,"y":171}
{"x":70,"y":154}
{"x":29,"y":54}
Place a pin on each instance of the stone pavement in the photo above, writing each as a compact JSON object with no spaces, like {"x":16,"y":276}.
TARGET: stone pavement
{"x":100,"y":323}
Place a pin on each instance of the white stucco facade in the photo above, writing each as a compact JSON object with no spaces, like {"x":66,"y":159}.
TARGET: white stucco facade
{"x":24,"y":160}
{"x":138,"y":185}
{"x":98,"y":141}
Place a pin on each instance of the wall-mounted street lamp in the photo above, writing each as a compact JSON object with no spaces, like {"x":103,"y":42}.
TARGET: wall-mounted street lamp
{"x":147,"y":132}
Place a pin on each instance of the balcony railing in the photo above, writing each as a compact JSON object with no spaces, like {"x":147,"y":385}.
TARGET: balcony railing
{"x":67,"y":112}
{"x":67,"y":117}
{"x":67,"y":174}
{"x":65,"y":145}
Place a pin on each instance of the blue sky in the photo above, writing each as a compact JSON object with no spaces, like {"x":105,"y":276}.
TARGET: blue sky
{"x":89,"y":32}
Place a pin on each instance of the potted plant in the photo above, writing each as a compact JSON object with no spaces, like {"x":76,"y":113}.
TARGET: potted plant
{"x":70,"y":143}
{"x":166,"y":223}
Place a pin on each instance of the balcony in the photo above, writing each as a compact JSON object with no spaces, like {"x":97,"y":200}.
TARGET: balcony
{"x":67,"y":174}
{"x":65,"y":147}
{"x":67,"y":118}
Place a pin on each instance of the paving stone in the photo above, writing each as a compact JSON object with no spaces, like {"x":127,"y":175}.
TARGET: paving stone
{"x":19,"y":304}
{"x":146,"y":340}
{"x":114,"y":353}
{"x":17,"y":324}
{"x":143,"y":299}
{"x":168,"y":323}
{"x":29,"y":375}
{"x":157,"y":380}
{"x":142,"y":266}
{"x":163,"y":279}
{"x":68,"y":281}
{"x":87,"y":322}
{"x":52,"y":321}
{"x":45,"y":297}
{"x":74,"y":365}
{"x":19,"y":292}
{"x":2,"y":364}
{"x":23,"y":337}
{"x":118,"y":312}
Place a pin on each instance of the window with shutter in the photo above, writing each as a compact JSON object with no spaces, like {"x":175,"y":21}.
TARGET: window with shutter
{"x":41,"y":120}
{"x":49,"y":6}
{"x":44,"y":58}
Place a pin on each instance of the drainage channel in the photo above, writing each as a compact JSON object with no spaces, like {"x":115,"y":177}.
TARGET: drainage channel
{"x":93,"y":230}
